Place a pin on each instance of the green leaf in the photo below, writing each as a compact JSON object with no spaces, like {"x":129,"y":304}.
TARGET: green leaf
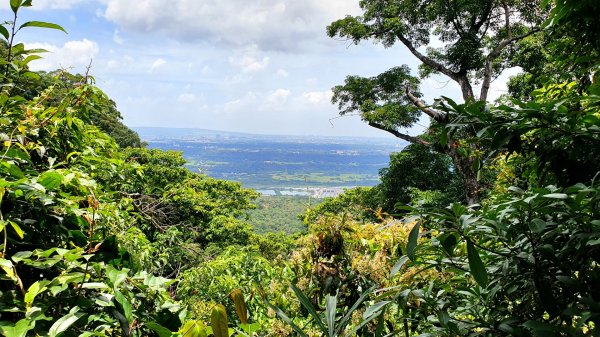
{"x":41,"y":24}
{"x":537,"y":225}
{"x":309,"y":307}
{"x":556,"y":196}
{"x":286,"y":319}
{"x":31,"y":58}
{"x":125,"y":305}
{"x":218,"y":321}
{"x":411,"y":245}
{"x":444,"y":318}
{"x":159,"y":329}
{"x":348,"y":316}
{"x":540,"y":329}
{"x":193,"y":329}
{"x":374,"y":310}
{"x":240,"y":305}
{"x":14,"y":5}
{"x":14,"y":170}
{"x":401,"y":262}
{"x":4,"y":32}
{"x":449,"y":242}
{"x":50,"y":179}
{"x":19,"y":329}
{"x":17,"y":229}
{"x":476,"y":265}
{"x":116,"y":276}
{"x":32,"y":292}
{"x":500,"y":138}
{"x":330,"y":311}
{"x":62,"y":324}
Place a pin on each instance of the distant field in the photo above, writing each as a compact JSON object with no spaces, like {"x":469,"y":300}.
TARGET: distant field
{"x":342,"y":179}
{"x":278,"y":162}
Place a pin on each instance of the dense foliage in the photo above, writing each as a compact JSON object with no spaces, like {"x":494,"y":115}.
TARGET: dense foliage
{"x":103,"y":237}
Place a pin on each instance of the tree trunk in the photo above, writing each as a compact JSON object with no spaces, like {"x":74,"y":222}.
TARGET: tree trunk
{"x":464,"y":166}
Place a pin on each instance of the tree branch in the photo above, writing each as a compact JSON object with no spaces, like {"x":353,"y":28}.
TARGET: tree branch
{"x":487,"y":72}
{"x":439,"y":117}
{"x":400,"y":135}
{"x":427,"y":60}
{"x":484,"y":17}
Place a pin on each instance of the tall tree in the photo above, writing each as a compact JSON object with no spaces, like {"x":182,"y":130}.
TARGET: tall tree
{"x":476,"y":36}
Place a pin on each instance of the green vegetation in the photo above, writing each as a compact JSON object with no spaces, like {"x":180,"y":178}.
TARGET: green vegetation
{"x":280,"y":214}
{"x":322,"y":178}
{"x":102,"y":237}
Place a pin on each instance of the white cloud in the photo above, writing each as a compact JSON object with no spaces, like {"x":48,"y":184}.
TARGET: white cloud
{"x":157,"y":64}
{"x":75,"y":55}
{"x":241,"y":103}
{"x":282,"y":73}
{"x":47,"y":4}
{"x":249,"y":61}
{"x":271,"y":24}
{"x":186,"y":98}
{"x":117,"y":37}
{"x":278,"y":97}
{"x":318,"y":97}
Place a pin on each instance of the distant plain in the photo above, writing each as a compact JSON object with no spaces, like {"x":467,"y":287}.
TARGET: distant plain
{"x":278,"y":163}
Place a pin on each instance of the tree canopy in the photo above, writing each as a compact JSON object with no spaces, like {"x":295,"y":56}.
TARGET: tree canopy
{"x":477,"y":38}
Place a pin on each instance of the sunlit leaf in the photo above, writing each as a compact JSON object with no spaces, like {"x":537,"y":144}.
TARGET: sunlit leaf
{"x":413,"y":237}
{"x":241,"y":308}
{"x":63,"y":323}
{"x":50,"y":179}
{"x":15,"y":4}
{"x":193,"y":329}
{"x":218,"y":321}
{"x":41,"y":24}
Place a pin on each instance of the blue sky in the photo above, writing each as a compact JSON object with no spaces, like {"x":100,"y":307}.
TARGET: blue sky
{"x":259,"y":66}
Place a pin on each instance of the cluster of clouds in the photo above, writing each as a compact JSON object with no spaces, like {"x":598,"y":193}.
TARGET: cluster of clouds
{"x":220,"y":63}
{"x":282,"y":25}
{"x":74,"y":56}
{"x":40,"y":5}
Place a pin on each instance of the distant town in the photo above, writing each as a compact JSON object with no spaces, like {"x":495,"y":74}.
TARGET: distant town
{"x":313,"y":192}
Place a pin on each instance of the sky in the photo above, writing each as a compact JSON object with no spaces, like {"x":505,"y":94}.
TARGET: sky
{"x":256,"y":66}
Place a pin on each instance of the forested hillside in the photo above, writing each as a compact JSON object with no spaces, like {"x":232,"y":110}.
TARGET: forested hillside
{"x":488,"y":224}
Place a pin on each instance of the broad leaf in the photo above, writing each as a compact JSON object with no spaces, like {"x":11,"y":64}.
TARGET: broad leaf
{"x":413,"y":237}
{"x":17,"y":229}
{"x":193,"y":329}
{"x":309,"y":307}
{"x":401,"y":262}
{"x":240,"y":305}
{"x":4,"y":32}
{"x":476,"y":265}
{"x":41,"y":24}
{"x":15,"y":4}
{"x":218,"y":321}
{"x":62,"y":324}
{"x":286,"y":319}
{"x":159,"y":329}
{"x":125,"y":305}
{"x":50,"y":179}
{"x":18,"y":330}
